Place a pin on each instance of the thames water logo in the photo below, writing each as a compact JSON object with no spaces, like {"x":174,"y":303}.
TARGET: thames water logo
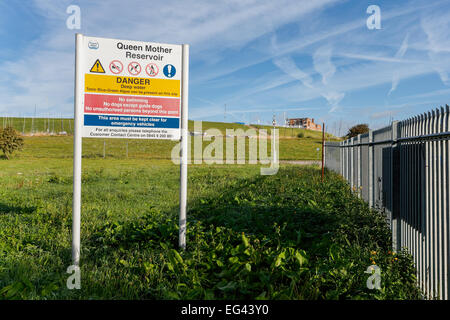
{"x":93,"y":45}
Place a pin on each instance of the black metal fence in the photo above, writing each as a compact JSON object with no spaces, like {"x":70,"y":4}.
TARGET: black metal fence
{"x":403,"y":171}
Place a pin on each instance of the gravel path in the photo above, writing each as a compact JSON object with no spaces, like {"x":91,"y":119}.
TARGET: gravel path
{"x":302,"y":162}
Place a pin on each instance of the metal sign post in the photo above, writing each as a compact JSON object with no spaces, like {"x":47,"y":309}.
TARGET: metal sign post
{"x":323,"y":147}
{"x":78,"y":112}
{"x":184,"y":145}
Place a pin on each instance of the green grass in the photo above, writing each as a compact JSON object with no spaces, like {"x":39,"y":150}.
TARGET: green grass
{"x":40,"y":146}
{"x":293,"y":133}
{"x":38,"y":125}
{"x":37,"y":147}
{"x":222,"y":126}
{"x":55,"y":125}
{"x":286,"y":236}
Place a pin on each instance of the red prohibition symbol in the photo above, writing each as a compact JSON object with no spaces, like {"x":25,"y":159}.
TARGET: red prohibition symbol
{"x":152,"y":69}
{"x":116,"y":66}
{"x":134,"y":68}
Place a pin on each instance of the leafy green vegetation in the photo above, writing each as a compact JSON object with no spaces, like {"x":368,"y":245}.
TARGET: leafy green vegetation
{"x":10,"y":141}
{"x":286,"y":236}
{"x":357,"y":129}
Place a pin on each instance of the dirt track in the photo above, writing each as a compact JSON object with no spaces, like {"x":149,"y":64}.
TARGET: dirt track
{"x":302,"y":162}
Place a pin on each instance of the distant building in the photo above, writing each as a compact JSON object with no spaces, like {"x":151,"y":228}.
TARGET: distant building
{"x":305,"y":123}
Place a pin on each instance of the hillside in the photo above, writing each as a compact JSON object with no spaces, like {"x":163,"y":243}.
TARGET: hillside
{"x":42,"y":143}
{"x":57,"y":125}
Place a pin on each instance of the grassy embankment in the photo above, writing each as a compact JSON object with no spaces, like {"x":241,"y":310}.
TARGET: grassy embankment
{"x":286,"y":236}
{"x":290,"y":147}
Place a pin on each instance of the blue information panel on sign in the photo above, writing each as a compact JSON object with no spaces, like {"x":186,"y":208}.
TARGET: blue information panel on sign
{"x":130,"y":121}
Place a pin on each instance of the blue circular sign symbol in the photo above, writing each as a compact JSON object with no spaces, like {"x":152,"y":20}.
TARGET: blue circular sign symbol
{"x":169,"y":70}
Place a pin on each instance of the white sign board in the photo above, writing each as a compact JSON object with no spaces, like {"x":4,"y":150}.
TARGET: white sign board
{"x":129,"y":89}
{"x":132,"y":89}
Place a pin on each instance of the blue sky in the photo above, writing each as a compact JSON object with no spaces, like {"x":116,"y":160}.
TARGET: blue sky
{"x":296,"y":58}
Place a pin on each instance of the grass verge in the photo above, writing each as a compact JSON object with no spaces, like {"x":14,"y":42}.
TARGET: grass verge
{"x":286,"y":236}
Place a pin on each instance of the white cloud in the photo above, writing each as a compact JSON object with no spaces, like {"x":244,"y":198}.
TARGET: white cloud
{"x":45,"y":68}
{"x":287,"y":65}
{"x":398,"y":55}
{"x":323,"y":64}
{"x":441,"y":92}
{"x":436,"y":28}
{"x":344,"y":57}
{"x":348,"y":30}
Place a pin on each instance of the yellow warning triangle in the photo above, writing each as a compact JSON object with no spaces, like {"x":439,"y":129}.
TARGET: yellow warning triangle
{"x":97,"y":67}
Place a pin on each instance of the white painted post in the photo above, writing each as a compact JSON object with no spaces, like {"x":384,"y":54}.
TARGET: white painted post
{"x":184,"y":144}
{"x":76,"y":213}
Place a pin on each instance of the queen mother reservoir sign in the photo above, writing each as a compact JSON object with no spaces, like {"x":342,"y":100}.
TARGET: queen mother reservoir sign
{"x":132,"y":89}
{"x":129,"y":89}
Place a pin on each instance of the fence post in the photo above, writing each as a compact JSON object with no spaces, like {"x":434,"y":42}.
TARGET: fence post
{"x":428,"y":275}
{"x":344,"y":158}
{"x":358,"y":154}
{"x":446,"y":205}
{"x":351,"y":173}
{"x":347,"y":159}
{"x":444,"y":186}
{"x":440,"y":203}
{"x":370,"y":168}
{"x":394,"y":206}
{"x":433,"y":208}
{"x":423,"y":193}
{"x":416,"y":195}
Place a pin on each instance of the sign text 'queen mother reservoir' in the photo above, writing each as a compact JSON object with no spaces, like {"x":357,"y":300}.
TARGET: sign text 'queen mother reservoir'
{"x":125,"y":93}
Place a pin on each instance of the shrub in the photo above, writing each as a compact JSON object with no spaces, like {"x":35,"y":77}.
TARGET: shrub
{"x":358,"y":129}
{"x":10,"y":141}
{"x":300,"y":135}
